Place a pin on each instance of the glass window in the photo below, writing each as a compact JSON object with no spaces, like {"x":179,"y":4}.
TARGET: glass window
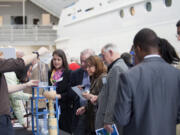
{"x":148,"y":6}
{"x":132,"y":11}
{"x":122,"y":13}
{"x":168,"y":3}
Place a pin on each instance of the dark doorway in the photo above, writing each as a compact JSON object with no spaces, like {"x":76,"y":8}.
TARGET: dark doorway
{"x":18,"y":20}
{"x":35,"y":21}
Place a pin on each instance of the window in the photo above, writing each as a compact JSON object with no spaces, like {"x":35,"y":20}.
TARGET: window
{"x":132,"y":11}
{"x":46,"y":19}
{"x":168,"y":3}
{"x":35,"y":21}
{"x":1,"y":20}
{"x":18,"y":20}
{"x":121,"y":13}
{"x":148,"y":6}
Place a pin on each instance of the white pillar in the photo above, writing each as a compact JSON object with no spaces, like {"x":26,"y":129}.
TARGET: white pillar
{"x":23,"y":12}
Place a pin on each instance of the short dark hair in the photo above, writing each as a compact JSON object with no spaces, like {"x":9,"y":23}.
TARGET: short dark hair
{"x":22,"y":74}
{"x":146,"y":39}
{"x":178,"y":24}
{"x":127,"y":59}
{"x":61,"y":54}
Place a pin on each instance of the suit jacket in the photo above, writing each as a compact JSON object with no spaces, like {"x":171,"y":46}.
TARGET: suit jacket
{"x":69,"y":102}
{"x":149,"y":100}
{"x":107,"y":96}
{"x":91,"y":109}
{"x":77,"y":77}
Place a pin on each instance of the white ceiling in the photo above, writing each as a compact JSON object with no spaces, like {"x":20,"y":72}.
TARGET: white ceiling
{"x":54,"y":7}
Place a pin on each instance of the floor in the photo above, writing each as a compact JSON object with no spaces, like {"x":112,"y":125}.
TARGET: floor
{"x":22,"y":131}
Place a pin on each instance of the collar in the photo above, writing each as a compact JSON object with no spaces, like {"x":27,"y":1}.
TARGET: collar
{"x":151,"y":55}
{"x":110,"y":66}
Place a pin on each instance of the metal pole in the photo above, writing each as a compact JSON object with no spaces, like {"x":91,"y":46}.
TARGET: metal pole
{"x":23,"y":12}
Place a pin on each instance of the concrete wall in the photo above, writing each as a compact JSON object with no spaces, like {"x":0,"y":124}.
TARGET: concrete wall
{"x":15,"y":9}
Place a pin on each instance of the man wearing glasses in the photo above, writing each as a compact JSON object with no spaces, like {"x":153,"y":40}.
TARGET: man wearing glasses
{"x":178,"y":30}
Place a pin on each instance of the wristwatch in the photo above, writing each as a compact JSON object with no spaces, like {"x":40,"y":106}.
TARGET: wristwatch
{"x":37,"y":53}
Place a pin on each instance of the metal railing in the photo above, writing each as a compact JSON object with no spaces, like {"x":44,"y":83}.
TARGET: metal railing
{"x":24,"y":33}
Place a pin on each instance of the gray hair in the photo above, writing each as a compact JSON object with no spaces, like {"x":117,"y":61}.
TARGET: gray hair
{"x":112,"y":47}
{"x":88,"y":52}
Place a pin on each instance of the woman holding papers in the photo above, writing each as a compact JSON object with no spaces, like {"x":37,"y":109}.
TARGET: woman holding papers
{"x":97,"y":72}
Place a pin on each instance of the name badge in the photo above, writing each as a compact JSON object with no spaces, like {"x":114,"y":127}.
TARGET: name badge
{"x":60,"y":79}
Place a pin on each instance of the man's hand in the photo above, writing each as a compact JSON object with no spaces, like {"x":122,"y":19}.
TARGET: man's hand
{"x":14,"y":88}
{"x":32,"y":83}
{"x":108,"y":128}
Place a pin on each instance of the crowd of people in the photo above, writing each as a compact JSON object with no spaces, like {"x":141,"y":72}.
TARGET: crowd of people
{"x":136,"y":91}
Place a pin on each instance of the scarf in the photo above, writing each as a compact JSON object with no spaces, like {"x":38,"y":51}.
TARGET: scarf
{"x":55,"y":76}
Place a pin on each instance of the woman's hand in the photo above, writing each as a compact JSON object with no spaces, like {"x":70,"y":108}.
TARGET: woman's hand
{"x":58,"y":96}
{"x":94,"y":99}
{"x":51,"y":95}
{"x":80,"y":87}
{"x":80,"y":110}
{"x":86,"y":95}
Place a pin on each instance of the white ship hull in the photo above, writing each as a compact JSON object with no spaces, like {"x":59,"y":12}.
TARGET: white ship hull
{"x":103,"y":24}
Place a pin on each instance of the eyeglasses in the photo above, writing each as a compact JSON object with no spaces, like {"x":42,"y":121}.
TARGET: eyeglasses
{"x":89,"y":66}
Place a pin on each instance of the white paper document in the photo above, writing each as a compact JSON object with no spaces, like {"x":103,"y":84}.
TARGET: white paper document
{"x":78,"y":92}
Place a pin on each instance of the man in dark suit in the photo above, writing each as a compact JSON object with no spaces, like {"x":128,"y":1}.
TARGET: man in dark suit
{"x":148,"y":102}
{"x":80,"y":76}
{"x":178,"y":66}
{"x":81,"y":79}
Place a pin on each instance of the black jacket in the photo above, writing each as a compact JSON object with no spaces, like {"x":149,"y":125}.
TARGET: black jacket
{"x":77,"y":77}
{"x":69,"y":102}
